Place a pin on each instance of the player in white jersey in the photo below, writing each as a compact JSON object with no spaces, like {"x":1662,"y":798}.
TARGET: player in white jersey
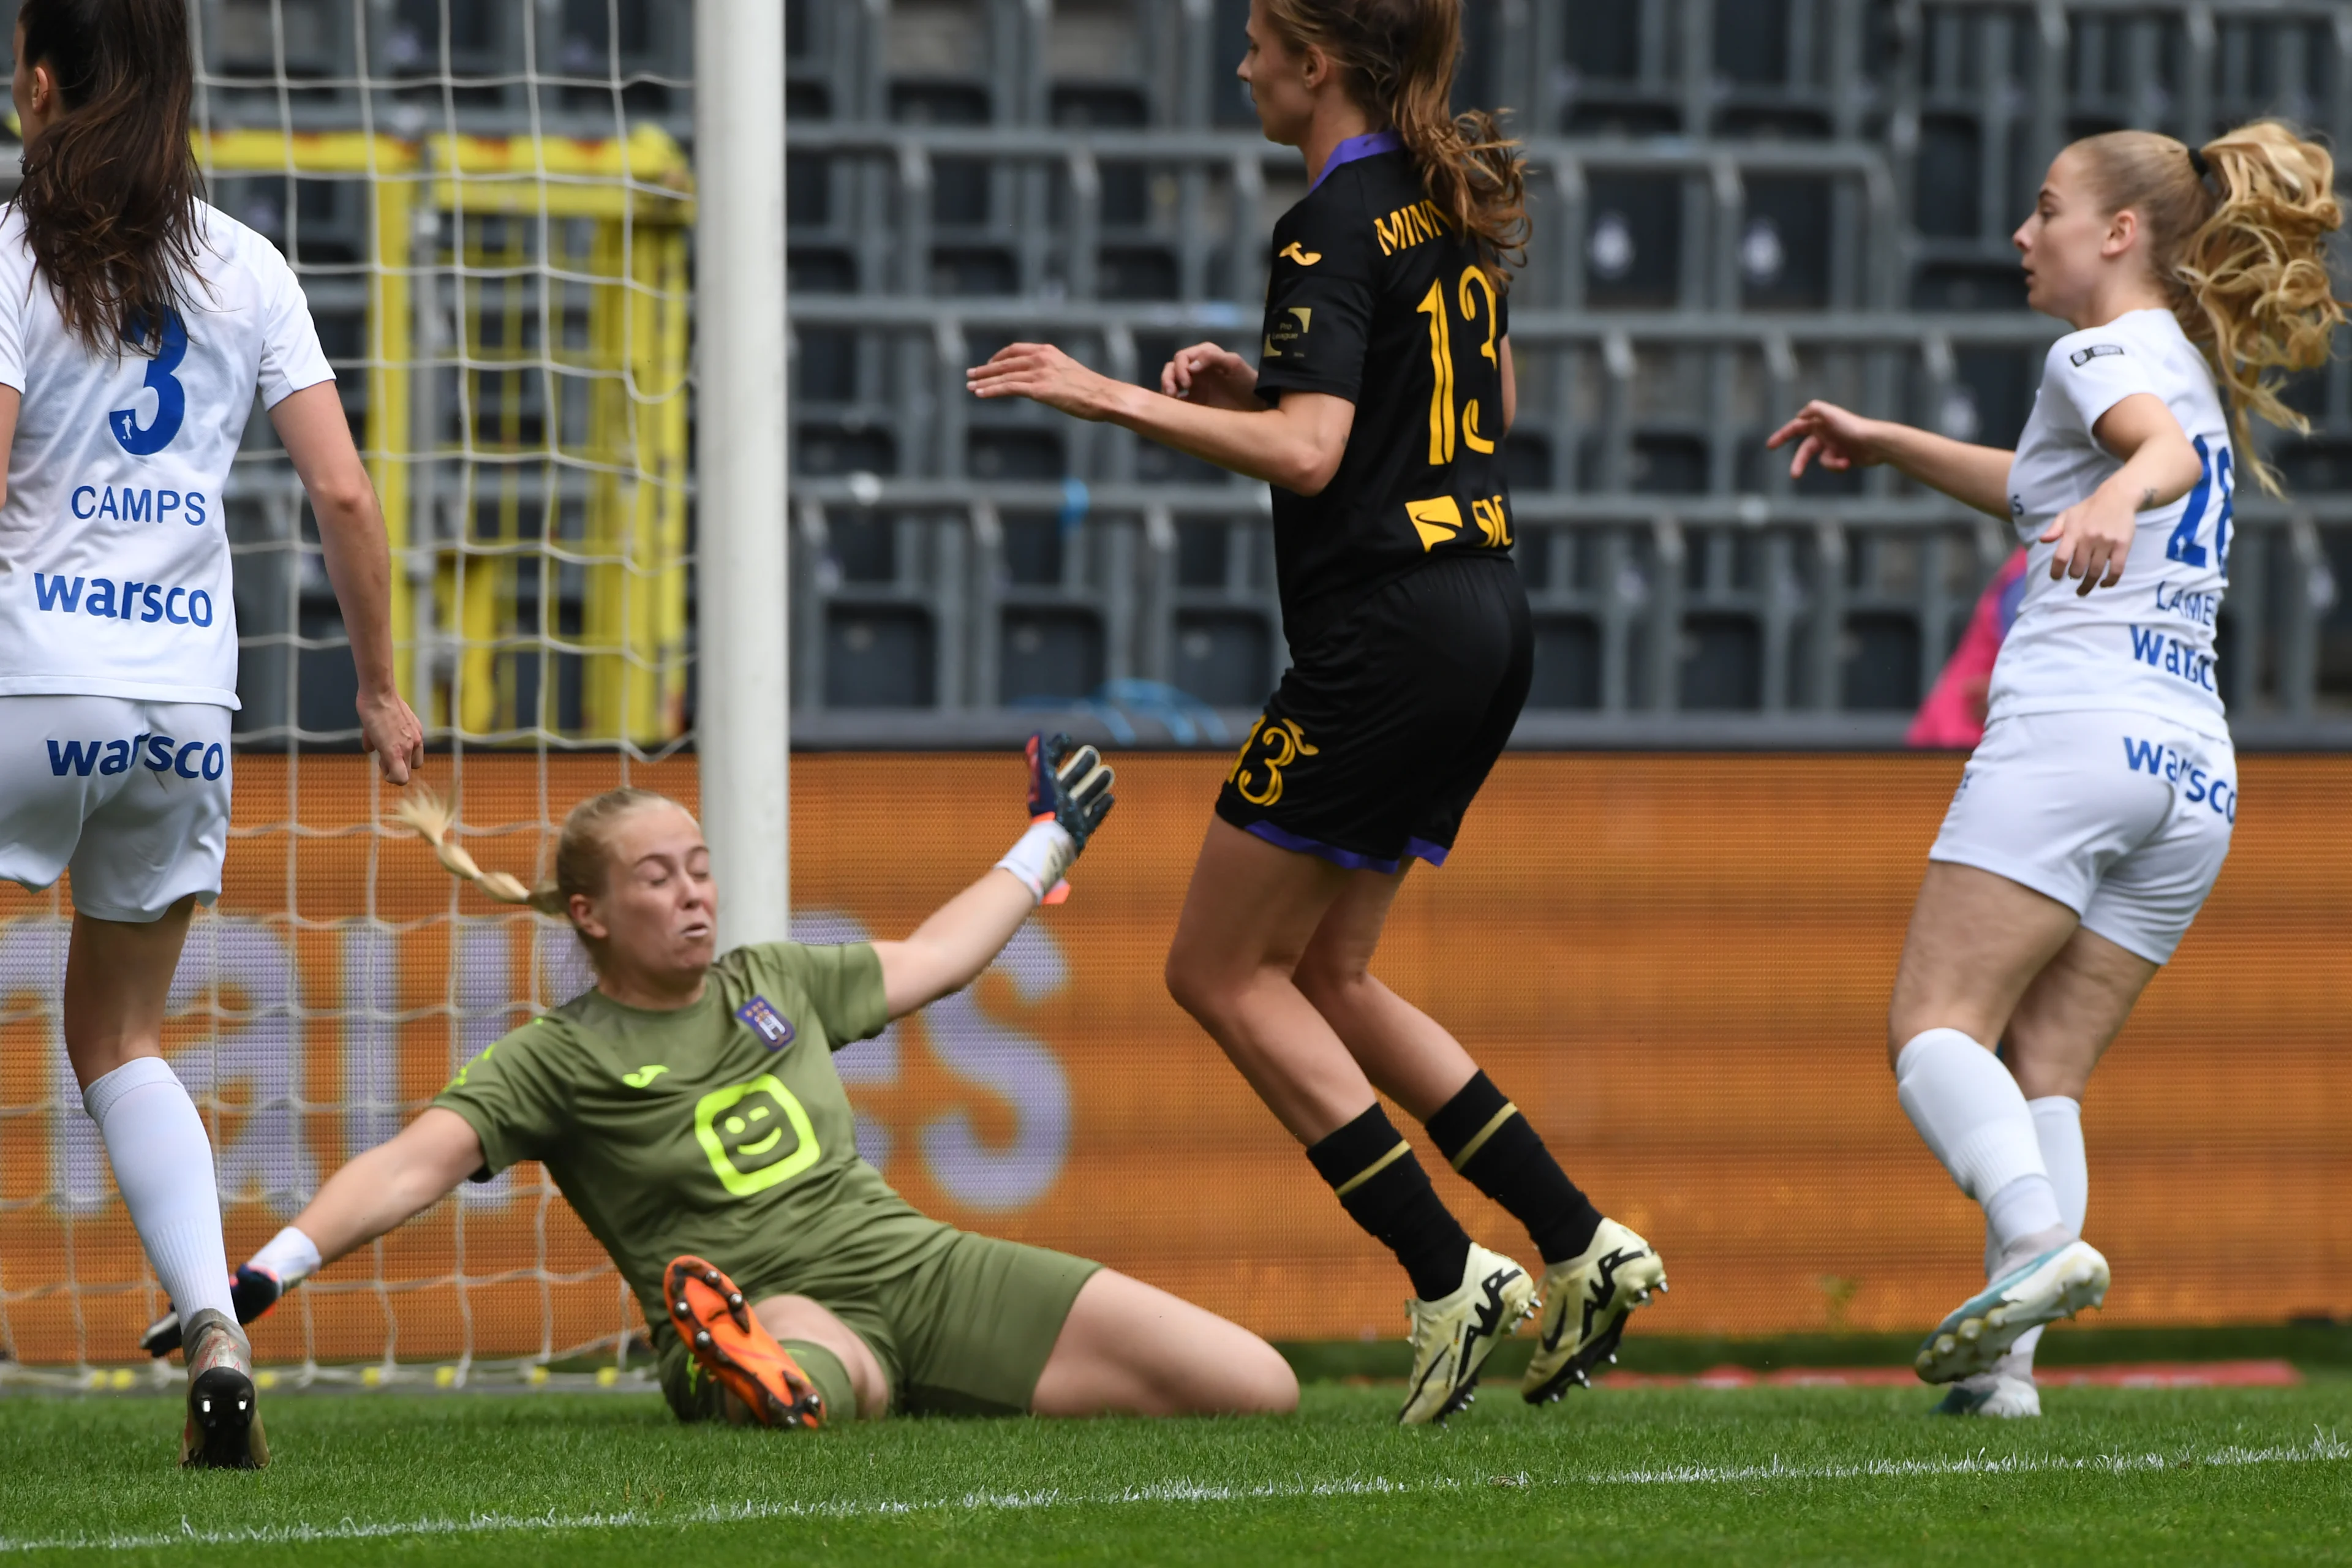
{"x":136,"y":324}
{"x":2094,"y":816}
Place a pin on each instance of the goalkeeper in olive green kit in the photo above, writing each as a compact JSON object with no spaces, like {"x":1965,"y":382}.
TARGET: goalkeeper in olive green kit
{"x":690,"y":1110}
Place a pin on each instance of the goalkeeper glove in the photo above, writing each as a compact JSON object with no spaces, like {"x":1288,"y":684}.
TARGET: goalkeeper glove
{"x":1070,"y":795}
{"x":290,"y":1258}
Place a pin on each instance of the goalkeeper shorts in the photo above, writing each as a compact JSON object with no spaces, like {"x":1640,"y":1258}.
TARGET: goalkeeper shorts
{"x":966,"y":1332}
{"x":132,"y":796}
{"x":1387,"y":723}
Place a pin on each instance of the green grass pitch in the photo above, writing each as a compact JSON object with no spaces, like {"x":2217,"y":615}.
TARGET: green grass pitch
{"x":1646,"y":1476}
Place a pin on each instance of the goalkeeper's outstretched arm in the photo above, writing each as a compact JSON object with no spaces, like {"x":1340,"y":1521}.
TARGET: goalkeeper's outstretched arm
{"x":390,"y":1184}
{"x":377,"y":1191}
{"x":1070,"y":795}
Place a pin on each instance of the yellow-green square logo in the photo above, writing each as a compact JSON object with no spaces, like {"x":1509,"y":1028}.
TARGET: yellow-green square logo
{"x":756,"y":1135}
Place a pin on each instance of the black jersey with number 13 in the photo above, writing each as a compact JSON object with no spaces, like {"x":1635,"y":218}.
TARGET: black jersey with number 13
{"x":1375,"y":298}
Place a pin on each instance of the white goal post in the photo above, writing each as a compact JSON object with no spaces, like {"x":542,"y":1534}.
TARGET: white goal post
{"x":493,"y":211}
{"x":743,"y":723}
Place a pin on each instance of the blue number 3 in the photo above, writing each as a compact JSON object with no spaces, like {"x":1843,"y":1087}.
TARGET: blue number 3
{"x":171,"y":397}
{"x":2216,"y":476}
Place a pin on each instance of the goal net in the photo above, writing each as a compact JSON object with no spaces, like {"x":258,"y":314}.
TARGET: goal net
{"x":488,"y":207}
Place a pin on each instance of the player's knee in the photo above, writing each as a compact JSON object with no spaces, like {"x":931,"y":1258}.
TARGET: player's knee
{"x":2044,"y":1069}
{"x":1197,"y":985}
{"x":1267,"y":1385}
{"x":1330,"y":987}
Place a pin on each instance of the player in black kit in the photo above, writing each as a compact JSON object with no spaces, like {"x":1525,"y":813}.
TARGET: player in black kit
{"x":1380,"y":397}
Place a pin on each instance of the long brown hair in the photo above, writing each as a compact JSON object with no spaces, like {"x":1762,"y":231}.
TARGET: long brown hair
{"x":110,"y":188}
{"x":1397,"y":59}
{"x":2244,"y":257}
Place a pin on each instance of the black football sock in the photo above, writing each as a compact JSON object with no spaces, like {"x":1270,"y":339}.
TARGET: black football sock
{"x":1373,"y":1173}
{"x":1489,"y":1142}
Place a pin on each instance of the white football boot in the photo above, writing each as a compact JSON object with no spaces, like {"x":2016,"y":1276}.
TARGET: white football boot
{"x":1453,"y":1335}
{"x":1979,"y":1330}
{"x":1586,"y":1301}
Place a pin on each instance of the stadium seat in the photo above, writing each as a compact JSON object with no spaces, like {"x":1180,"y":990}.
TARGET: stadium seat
{"x":1732,"y":207}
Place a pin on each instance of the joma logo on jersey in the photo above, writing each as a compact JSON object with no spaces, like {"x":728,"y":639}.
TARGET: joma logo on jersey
{"x":756,"y":1135}
{"x":137,"y":601}
{"x":2096,"y":350}
{"x":1408,"y":227}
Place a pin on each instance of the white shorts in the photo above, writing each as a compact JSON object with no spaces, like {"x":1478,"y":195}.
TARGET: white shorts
{"x":133,"y":795}
{"x":2123,"y":818}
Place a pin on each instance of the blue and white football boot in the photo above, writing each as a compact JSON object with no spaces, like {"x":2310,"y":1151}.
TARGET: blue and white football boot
{"x":1978,"y":1333}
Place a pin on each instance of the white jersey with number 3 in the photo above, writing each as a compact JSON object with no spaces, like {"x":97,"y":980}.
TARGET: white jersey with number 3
{"x":2147,"y":644}
{"x":114,"y":562}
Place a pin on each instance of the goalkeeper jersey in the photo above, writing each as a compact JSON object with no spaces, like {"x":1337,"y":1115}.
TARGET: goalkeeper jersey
{"x":719,"y":1130}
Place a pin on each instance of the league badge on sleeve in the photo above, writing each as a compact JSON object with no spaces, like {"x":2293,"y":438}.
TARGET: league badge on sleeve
{"x":770,"y":1026}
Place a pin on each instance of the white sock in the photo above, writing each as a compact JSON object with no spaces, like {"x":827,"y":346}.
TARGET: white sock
{"x":1969,"y":1111}
{"x":2058,"y":1124}
{"x":2027,"y":1207}
{"x":163,"y":1165}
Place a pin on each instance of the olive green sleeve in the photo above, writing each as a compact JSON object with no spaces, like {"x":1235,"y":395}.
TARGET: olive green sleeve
{"x":513,"y":1095}
{"x":843,"y":983}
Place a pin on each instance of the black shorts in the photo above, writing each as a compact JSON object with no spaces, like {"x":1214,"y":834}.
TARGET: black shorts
{"x":1384,"y":727}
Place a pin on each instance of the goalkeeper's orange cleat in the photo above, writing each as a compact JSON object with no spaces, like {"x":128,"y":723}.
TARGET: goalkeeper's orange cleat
{"x":731,"y":1344}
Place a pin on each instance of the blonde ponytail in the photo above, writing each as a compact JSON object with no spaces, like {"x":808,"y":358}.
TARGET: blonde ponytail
{"x":430,"y":818}
{"x":2244,"y":257}
{"x":581,"y":856}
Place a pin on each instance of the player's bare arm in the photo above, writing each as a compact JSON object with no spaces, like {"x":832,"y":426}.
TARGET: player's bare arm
{"x":946,"y":951}
{"x":392,"y":1184}
{"x":1297,"y":444}
{"x":1069,"y":795}
{"x":1842,"y":440}
{"x":1212,"y":375}
{"x":2094,"y":535}
{"x":359,"y":564}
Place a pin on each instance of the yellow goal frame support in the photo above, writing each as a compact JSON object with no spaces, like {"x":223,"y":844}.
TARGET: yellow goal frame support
{"x":611,"y":217}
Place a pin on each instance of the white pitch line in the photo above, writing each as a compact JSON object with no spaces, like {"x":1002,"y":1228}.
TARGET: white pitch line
{"x":2323,"y":1449}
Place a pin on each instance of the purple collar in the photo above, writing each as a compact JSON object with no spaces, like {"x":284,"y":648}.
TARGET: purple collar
{"x":1370,"y":145}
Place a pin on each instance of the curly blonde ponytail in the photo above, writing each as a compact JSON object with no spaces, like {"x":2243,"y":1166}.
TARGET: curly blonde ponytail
{"x":2245,"y":258}
{"x":579,"y":848}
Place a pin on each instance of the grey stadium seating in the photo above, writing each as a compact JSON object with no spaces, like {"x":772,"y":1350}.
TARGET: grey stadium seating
{"x":1737,"y":204}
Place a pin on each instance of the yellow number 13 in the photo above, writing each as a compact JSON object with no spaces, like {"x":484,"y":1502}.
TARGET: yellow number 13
{"x":1442,"y":427}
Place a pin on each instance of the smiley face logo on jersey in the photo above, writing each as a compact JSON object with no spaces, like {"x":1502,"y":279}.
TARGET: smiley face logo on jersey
{"x":756,"y":1135}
